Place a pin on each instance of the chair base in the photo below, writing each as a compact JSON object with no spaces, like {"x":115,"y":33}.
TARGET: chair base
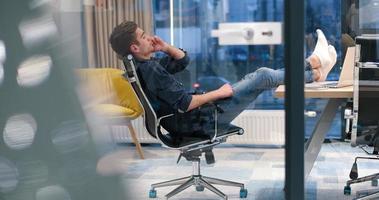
{"x":200,"y":182}
{"x":367,"y":194}
{"x":364,"y":194}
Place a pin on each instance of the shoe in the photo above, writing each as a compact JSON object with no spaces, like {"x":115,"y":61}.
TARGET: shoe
{"x":324,"y":70}
{"x":321,"y":49}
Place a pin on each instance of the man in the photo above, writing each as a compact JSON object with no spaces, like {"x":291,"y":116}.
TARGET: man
{"x":168,"y":95}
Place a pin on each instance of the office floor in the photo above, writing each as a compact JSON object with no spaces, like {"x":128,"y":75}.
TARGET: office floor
{"x":261,"y":169}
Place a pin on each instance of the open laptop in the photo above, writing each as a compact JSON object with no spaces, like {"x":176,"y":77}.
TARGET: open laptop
{"x":346,"y":76}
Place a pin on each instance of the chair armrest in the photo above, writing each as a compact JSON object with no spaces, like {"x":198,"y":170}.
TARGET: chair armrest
{"x":203,"y":112}
{"x":215,"y":105}
{"x":216,"y":109}
{"x":165,"y":116}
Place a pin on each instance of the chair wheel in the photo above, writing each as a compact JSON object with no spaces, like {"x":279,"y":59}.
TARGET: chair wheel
{"x":374,"y":182}
{"x":199,"y":188}
{"x":243,"y":193}
{"x":152,"y":194}
{"x":347,"y":190}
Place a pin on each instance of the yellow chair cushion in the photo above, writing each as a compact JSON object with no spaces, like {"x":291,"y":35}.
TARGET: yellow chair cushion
{"x":111,"y":110}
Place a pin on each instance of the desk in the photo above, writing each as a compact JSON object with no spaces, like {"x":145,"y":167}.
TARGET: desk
{"x":336,"y":96}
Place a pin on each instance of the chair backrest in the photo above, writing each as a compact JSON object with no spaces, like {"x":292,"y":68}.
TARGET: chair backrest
{"x":150,"y":117}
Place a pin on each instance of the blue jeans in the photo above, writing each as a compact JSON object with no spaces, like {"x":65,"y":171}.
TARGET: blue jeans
{"x":248,"y":89}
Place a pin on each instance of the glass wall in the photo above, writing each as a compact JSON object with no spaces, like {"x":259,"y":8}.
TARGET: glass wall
{"x":193,"y":21}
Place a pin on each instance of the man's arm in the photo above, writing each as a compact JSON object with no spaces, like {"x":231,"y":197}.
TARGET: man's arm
{"x":223,"y":92}
{"x":160,"y":45}
{"x":174,"y":52}
{"x":176,"y":59}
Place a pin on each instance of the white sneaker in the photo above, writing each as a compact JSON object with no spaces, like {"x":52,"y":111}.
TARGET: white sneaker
{"x":321,"y":49}
{"x":324,"y":71}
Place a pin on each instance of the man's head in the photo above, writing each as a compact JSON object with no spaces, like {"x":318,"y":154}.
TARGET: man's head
{"x":128,"y":38}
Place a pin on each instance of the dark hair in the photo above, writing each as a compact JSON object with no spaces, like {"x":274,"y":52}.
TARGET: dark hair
{"x":122,"y":37}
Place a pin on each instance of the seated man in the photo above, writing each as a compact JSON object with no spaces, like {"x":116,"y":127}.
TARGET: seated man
{"x":167,"y":95}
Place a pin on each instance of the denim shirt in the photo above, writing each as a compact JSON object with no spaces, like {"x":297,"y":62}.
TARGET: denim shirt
{"x":164,"y":91}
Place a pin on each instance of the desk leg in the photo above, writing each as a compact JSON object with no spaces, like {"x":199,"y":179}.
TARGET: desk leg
{"x":313,"y":146}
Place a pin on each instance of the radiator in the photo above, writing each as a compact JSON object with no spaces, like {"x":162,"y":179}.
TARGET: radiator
{"x":262,"y":127}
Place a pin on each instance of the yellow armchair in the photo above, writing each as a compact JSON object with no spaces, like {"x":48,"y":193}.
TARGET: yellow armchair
{"x":109,"y":94}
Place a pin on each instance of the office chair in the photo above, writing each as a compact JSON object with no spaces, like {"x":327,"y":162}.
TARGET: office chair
{"x":111,"y":97}
{"x":190,"y":147}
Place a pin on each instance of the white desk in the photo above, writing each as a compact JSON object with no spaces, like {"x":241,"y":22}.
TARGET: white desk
{"x":336,"y":96}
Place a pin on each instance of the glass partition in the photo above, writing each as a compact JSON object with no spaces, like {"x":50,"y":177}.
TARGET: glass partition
{"x":193,"y":21}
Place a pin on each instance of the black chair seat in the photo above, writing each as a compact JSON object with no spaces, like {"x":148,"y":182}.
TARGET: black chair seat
{"x":198,"y":139}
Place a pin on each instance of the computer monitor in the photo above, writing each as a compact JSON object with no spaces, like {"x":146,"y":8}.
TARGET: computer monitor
{"x":368,"y":16}
{"x":358,"y":17}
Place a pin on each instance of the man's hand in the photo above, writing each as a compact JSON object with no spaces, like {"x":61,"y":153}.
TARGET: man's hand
{"x":159,"y":44}
{"x":225,"y":91}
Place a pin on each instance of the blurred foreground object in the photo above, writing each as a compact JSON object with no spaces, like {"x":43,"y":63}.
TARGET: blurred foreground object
{"x":47,"y":150}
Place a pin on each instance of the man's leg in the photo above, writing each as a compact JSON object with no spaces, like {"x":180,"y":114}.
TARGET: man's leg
{"x":248,"y":89}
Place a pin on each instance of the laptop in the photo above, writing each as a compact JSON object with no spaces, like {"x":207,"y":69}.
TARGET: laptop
{"x":346,"y":76}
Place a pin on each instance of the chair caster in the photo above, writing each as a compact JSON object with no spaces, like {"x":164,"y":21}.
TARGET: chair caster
{"x":243,"y":193}
{"x":347,"y":190}
{"x":374,"y":182}
{"x":199,"y":188}
{"x":152,"y":193}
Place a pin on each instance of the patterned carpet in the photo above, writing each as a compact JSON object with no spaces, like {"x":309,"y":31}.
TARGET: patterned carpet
{"x":260,"y":169}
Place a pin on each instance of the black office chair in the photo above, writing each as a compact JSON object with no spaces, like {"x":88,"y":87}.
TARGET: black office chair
{"x":190,"y":147}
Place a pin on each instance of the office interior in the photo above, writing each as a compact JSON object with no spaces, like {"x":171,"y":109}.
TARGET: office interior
{"x":73,"y":126}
